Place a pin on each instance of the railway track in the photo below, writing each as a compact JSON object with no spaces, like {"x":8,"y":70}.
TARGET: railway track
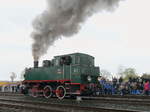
{"x":10,"y":94}
{"x":135,"y":100}
{"x":110,"y":96}
{"x":101,"y":96}
{"x":88,"y":104}
{"x":46,"y":107}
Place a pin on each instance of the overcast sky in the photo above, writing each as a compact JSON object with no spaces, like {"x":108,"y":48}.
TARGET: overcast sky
{"x":118,"y":38}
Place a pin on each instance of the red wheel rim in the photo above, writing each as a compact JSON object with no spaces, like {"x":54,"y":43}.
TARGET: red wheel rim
{"x":60,"y":92}
{"x":47,"y":91}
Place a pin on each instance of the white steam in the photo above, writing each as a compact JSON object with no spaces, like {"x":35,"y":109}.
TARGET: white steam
{"x":64,"y":18}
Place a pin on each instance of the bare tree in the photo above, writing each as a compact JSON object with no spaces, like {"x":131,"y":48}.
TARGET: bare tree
{"x":146,"y":75}
{"x":130,"y":73}
{"x":13,"y":76}
{"x":106,"y":74}
{"x":121,"y":71}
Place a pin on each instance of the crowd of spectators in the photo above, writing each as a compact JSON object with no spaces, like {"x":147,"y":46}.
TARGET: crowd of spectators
{"x":134,"y":86}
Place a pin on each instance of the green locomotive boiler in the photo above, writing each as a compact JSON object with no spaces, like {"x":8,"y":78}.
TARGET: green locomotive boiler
{"x":71,"y":74}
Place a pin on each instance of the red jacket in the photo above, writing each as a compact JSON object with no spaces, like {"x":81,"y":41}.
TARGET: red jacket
{"x":146,"y":86}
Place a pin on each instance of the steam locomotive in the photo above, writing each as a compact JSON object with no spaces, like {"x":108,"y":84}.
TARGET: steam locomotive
{"x":65,"y":75}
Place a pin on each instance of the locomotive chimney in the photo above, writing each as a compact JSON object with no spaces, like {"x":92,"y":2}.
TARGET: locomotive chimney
{"x":36,"y":64}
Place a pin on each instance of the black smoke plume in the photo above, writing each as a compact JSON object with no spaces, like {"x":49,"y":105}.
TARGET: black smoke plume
{"x":63,"y":18}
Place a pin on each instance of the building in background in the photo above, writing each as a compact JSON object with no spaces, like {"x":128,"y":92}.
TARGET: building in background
{"x":7,"y":86}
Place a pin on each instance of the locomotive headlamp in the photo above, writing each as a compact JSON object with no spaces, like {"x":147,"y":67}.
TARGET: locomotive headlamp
{"x":89,"y":78}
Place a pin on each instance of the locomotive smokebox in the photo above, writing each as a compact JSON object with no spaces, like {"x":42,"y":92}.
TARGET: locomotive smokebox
{"x":36,"y":63}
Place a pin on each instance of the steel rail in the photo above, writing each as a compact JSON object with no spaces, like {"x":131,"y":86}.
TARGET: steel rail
{"x":44,"y":107}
